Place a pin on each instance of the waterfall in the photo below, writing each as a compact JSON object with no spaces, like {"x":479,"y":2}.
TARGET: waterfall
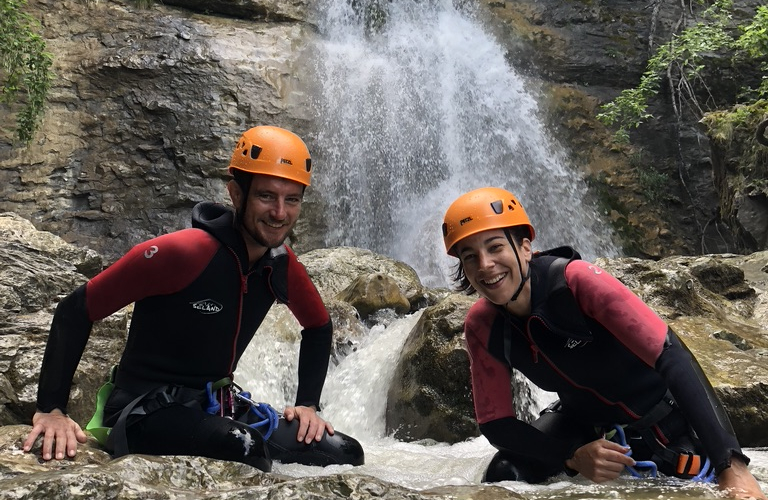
{"x":416,"y":105}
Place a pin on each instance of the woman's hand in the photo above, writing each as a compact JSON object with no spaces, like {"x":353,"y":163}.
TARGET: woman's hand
{"x":600,"y":460}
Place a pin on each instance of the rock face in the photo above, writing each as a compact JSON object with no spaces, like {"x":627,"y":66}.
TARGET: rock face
{"x":373,"y":292}
{"x":431,"y":396}
{"x":145,"y":111}
{"x":37,"y":269}
{"x":137,"y":477}
{"x":334,"y":269}
{"x":740,"y":166}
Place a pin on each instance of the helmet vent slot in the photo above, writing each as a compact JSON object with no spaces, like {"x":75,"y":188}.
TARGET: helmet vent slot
{"x":497,"y":206}
{"x":255,"y":152}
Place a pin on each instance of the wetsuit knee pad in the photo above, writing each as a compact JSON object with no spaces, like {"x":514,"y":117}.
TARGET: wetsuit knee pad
{"x":336,"y":449}
{"x":235,"y":441}
{"x":179,"y":430}
{"x":504,"y":468}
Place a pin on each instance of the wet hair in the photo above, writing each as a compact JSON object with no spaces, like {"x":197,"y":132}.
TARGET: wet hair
{"x":460,"y":280}
{"x":244,"y":181}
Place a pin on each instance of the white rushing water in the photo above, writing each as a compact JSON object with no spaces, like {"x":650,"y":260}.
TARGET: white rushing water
{"x":420,"y":110}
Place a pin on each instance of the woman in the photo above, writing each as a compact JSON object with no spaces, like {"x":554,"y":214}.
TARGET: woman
{"x":631,"y":395}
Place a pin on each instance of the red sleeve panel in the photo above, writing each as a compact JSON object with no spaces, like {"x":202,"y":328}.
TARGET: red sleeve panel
{"x":160,"y":266}
{"x":491,"y":379}
{"x":303,"y":298}
{"x":613,"y":305}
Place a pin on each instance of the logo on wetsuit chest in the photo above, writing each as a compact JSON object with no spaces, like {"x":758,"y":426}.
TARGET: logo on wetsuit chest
{"x":573,"y":343}
{"x":207,"y":306}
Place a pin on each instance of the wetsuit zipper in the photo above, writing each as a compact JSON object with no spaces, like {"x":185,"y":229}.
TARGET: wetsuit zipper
{"x":243,"y":291}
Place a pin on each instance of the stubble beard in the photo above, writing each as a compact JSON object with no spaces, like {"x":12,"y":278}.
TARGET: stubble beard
{"x":258,"y":238}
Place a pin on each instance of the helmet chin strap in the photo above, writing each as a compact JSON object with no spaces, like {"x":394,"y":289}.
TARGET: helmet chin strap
{"x":527,"y":276}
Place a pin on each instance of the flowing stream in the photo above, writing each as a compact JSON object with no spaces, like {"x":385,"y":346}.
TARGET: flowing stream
{"x":416,"y":105}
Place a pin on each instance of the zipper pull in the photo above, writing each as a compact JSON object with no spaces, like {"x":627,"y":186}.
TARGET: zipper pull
{"x":535,"y":353}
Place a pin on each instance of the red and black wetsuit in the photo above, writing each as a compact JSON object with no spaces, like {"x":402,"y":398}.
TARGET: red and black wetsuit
{"x":197,"y":306}
{"x":607,"y":355}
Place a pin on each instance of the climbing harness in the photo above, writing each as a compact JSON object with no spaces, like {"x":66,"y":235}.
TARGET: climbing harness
{"x":643,"y":464}
{"x":222,"y":397}
{"x":688,"y":465}
{"x":223,"y":400}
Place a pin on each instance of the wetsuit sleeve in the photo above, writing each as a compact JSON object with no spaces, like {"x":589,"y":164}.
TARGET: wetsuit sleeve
{"x":699,"y":403}
{"x":69,"y":333}
{"x":492,"y":396}
{"x":527,"y":444}
{"x":304,"y":300}
{"x":613,"y":305}
{"x":317,"y":336}
{"x":158,"y":266}
{"x":314,"y":353}
{"x":491,"y":379}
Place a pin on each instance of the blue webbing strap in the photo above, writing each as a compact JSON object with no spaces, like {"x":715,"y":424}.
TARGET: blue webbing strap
{"x":643,"y":464}
{"x":267,"y":415}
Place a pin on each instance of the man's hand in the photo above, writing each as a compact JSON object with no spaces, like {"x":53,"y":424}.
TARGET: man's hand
{"x":311,"y":425}
{"x":57,"y":429}
{"x":738,"y":482}
{"x":600,"y":460}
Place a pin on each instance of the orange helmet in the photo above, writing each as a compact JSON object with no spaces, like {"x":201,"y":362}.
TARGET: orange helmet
{"x":480,"y":210}
{"x":272,"y":151}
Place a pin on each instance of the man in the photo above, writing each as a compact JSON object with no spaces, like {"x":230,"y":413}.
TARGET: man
{"x":200,"y":294}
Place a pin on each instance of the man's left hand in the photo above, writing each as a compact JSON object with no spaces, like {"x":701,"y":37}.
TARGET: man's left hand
{"x":311,"y":425}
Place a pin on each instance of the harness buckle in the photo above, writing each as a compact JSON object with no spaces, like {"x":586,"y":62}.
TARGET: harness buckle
{"x":165,"y":399}
{"x":688,"y":464}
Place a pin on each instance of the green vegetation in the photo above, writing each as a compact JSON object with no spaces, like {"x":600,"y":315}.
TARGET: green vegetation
{"x":683,"y":62}
{"x":617,"y":211}
{"x":742,"y":121}
{"x":652,"y":182}
{"x":753,"y":46}
{"x":25,"y":68}
{"x":722,"y":125}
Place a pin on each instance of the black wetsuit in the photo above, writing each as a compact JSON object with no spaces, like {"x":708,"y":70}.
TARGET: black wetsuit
{"x":197,"y":307}
{"x":610,"y":359}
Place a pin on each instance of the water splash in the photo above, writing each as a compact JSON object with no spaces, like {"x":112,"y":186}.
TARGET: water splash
{"x":417,"y":106}
{"x":357,"y":389}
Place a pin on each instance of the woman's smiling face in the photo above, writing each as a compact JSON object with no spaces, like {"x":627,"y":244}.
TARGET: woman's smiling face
{"x":491,"y":266}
